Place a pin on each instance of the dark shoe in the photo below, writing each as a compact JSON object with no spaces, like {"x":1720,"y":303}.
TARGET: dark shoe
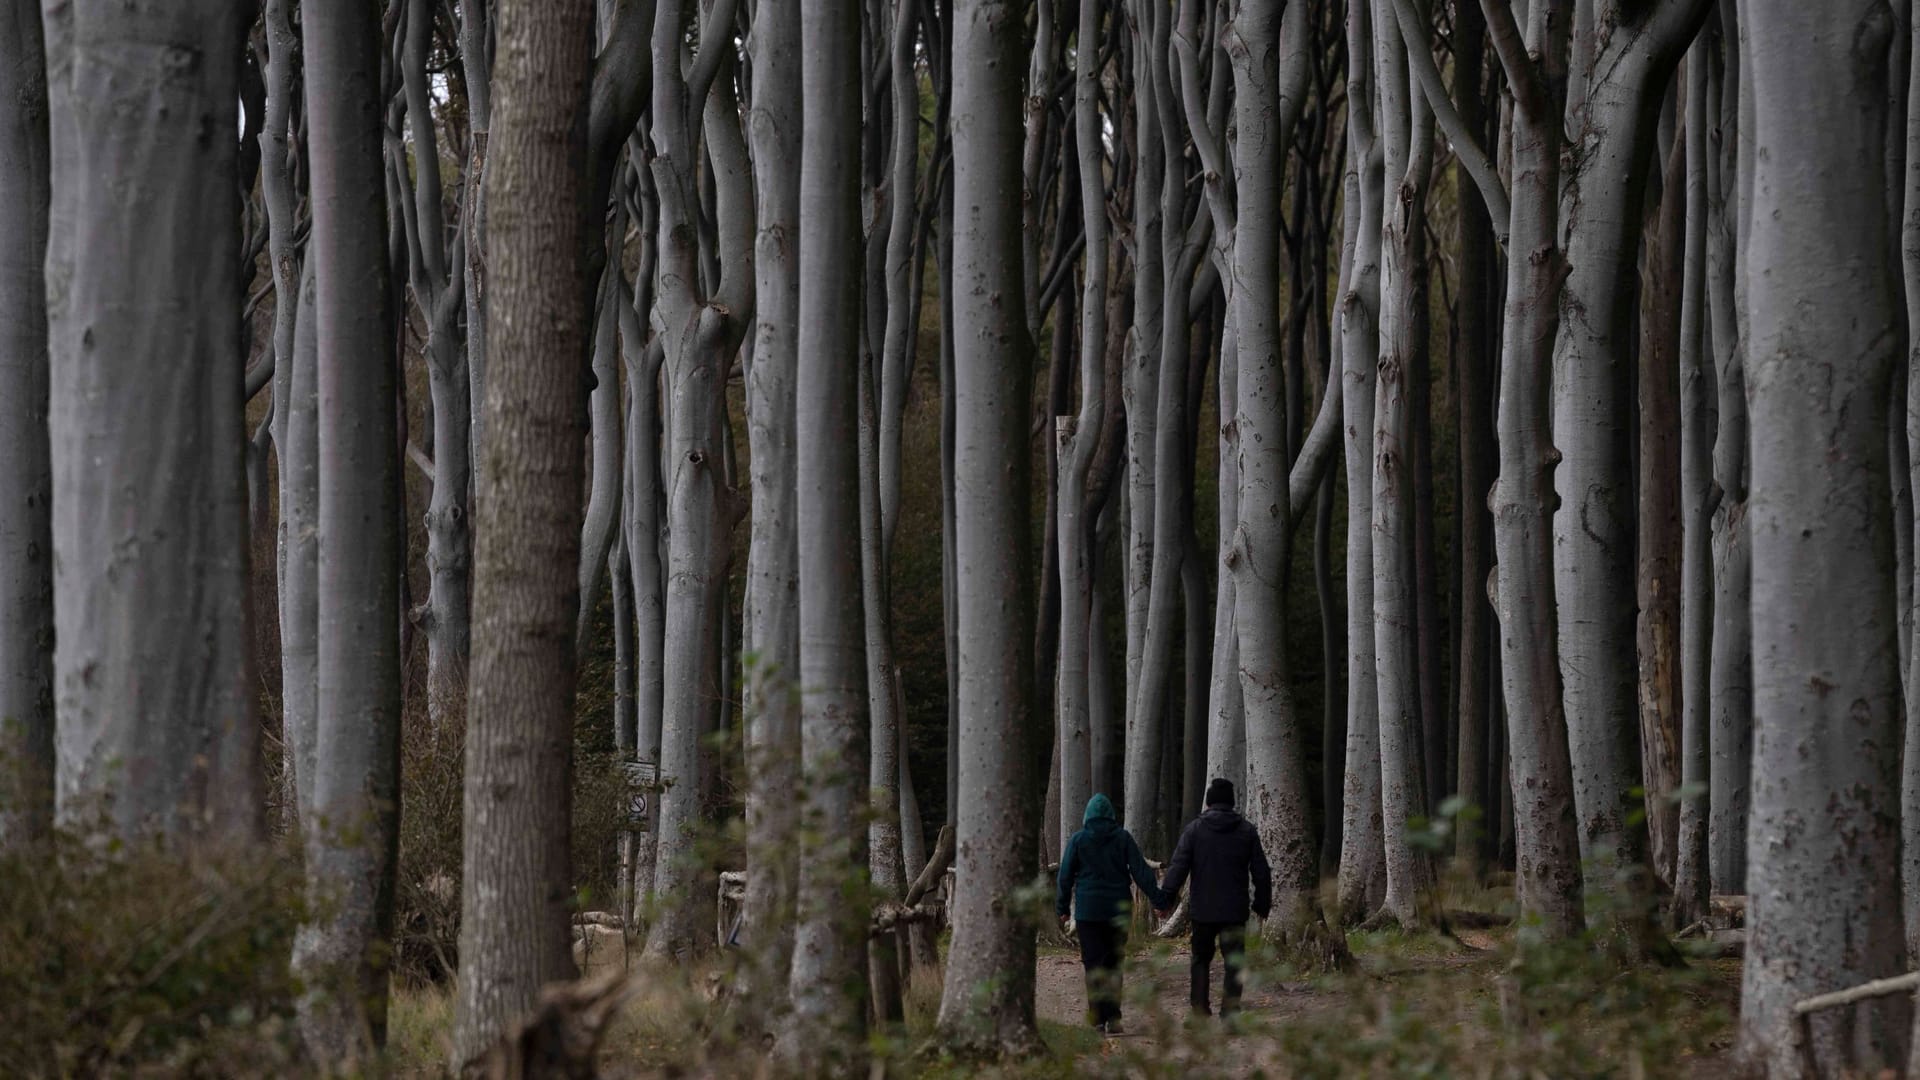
{"x":1112,"y":1028}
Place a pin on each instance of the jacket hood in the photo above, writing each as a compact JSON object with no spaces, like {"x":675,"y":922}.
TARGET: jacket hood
{"x":1221,"y":818}
{"x":1099,"y":808}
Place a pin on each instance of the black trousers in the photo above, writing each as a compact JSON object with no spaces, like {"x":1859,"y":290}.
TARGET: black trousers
{"x":1231,"y":939}
{"x":1102,"y":945}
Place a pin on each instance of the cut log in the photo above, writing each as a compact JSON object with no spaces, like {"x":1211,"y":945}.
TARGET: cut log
{"x":1898,"y":984}
{"x":560,"y":1040}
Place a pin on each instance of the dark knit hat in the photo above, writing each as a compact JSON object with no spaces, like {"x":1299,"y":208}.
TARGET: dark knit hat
{"x":1220,"y":792}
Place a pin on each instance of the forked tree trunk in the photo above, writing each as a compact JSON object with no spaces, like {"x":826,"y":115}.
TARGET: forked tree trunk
{"x":1547,"y":877}
{"x":986,"y":1007}
{"x":773,"y":553}
{"x":151,"y":667}
{"x":26,"y":541}
{"x":1823,"y":344}
{"x":352,"y":834}
{"x":827,"y":1028}
{"x":517,"y":885}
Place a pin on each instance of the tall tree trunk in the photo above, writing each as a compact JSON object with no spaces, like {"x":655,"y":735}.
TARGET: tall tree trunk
{"x":1476,"y":320}
{"x":26,"y":540}
{"x":1078,"y":438}
{"x":987,"y":1003}
{"x":773,"y":553}
{"x":1731,"y":677}
{"x":518,"y":882}
{"x":1821,"y":310}
{"x":352,"y":835}
{"x":1545,"y":839}
{"x":1406,"y":136}
{"x":1363,"y":867}
{"x":1697,"y":498}
{"x":1660,"y":547}
{"x":151,"y":666}
{"x":1910,"y":423}
{"x":828,"y":1025}
{"x":299,"y":586}
{"x":607,"y":475}
{"x":1616,"y":83}
{"x":699,"y":319}
{"x":1267,"y":102}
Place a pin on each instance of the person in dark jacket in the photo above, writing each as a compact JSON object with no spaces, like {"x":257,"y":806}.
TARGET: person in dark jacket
{"x":1094,"y":872}
{"x":1220,"y":851}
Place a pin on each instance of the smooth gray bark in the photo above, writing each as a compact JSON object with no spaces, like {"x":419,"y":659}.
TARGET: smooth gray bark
{"x":26,"y":538}
{"x":352,"y":834}
{"x":1547,"y":876}
{"x":700,"y":323}
{"x":299,"y":594}
{"x":1909,"y":425}
{"x":605,"y":422}
{"x":986,"y":1007}
{"x":1363,"y":880}
{"x":827,"y":1028}
{"x":152,"y":680}
{"x":773,"y":575}
{"x":517,"y":885}
{"x":1406,"y":137}
{"x":1079,"y":438}
{"x":1822,"y":311}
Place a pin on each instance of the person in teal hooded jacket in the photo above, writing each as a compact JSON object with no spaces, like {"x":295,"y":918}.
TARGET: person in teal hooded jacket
{"x":1094,"y":873}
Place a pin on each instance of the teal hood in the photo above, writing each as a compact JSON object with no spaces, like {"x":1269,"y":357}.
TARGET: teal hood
{"x":1099,"y":808}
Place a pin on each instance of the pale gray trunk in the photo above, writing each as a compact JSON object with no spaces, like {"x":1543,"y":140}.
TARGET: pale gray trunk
{"x":1079,"y":437}
{"x":1616,"y":80}
{"x":1406,"y":136}
{"x":476,"y":64}
{"x":152,"y":679}
{"x":773,"y":576}
{"x":642,"y":528}
{"x":699,"y":329}
{"x":1363,"y":868}
{"x":1697,"y":498}
{"x":1547,"y":877}
{"x":1226,"y":709}
{"x":352,"y":834}
{"x":517,"y":885}
{"x":607,"y":473}
{"x":26,"y":541}
{"x":827,"y":1028}
{"x":435,"y":259}
{"x":299,"y":456}
{"x":987,"y":1003}
{"x":1824,"y":908}
{"x":1268,"y":75}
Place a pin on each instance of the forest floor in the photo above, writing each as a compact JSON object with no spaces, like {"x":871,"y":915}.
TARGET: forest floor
{"x":1423,"y":1005}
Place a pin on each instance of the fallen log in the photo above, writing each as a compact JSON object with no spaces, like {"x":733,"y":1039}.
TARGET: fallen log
{"x":1897,"y":984}
{"x":890,"y":917}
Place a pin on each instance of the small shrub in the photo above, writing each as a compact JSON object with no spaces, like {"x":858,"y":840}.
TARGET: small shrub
{"x":137,"y":958}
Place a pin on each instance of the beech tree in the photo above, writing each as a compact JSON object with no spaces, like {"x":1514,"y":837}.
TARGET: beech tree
{"x":1822,"y":348}
{"x":517,"y":881}
{"x":987,"y":1003}
{"x":156,"y":711}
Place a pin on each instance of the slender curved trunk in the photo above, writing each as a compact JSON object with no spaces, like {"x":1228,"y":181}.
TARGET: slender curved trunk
{"x":986,"y":1006}
{"x":1697,"y":496}
{"x":1825,"y":681}
{"x":26,"y":539}
{"x":1406,"y":135}
{"x":1078,"y":438}
{"x":1362,"y":854}
{"x":607,"y":474}
{"x":1660,"y":547}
